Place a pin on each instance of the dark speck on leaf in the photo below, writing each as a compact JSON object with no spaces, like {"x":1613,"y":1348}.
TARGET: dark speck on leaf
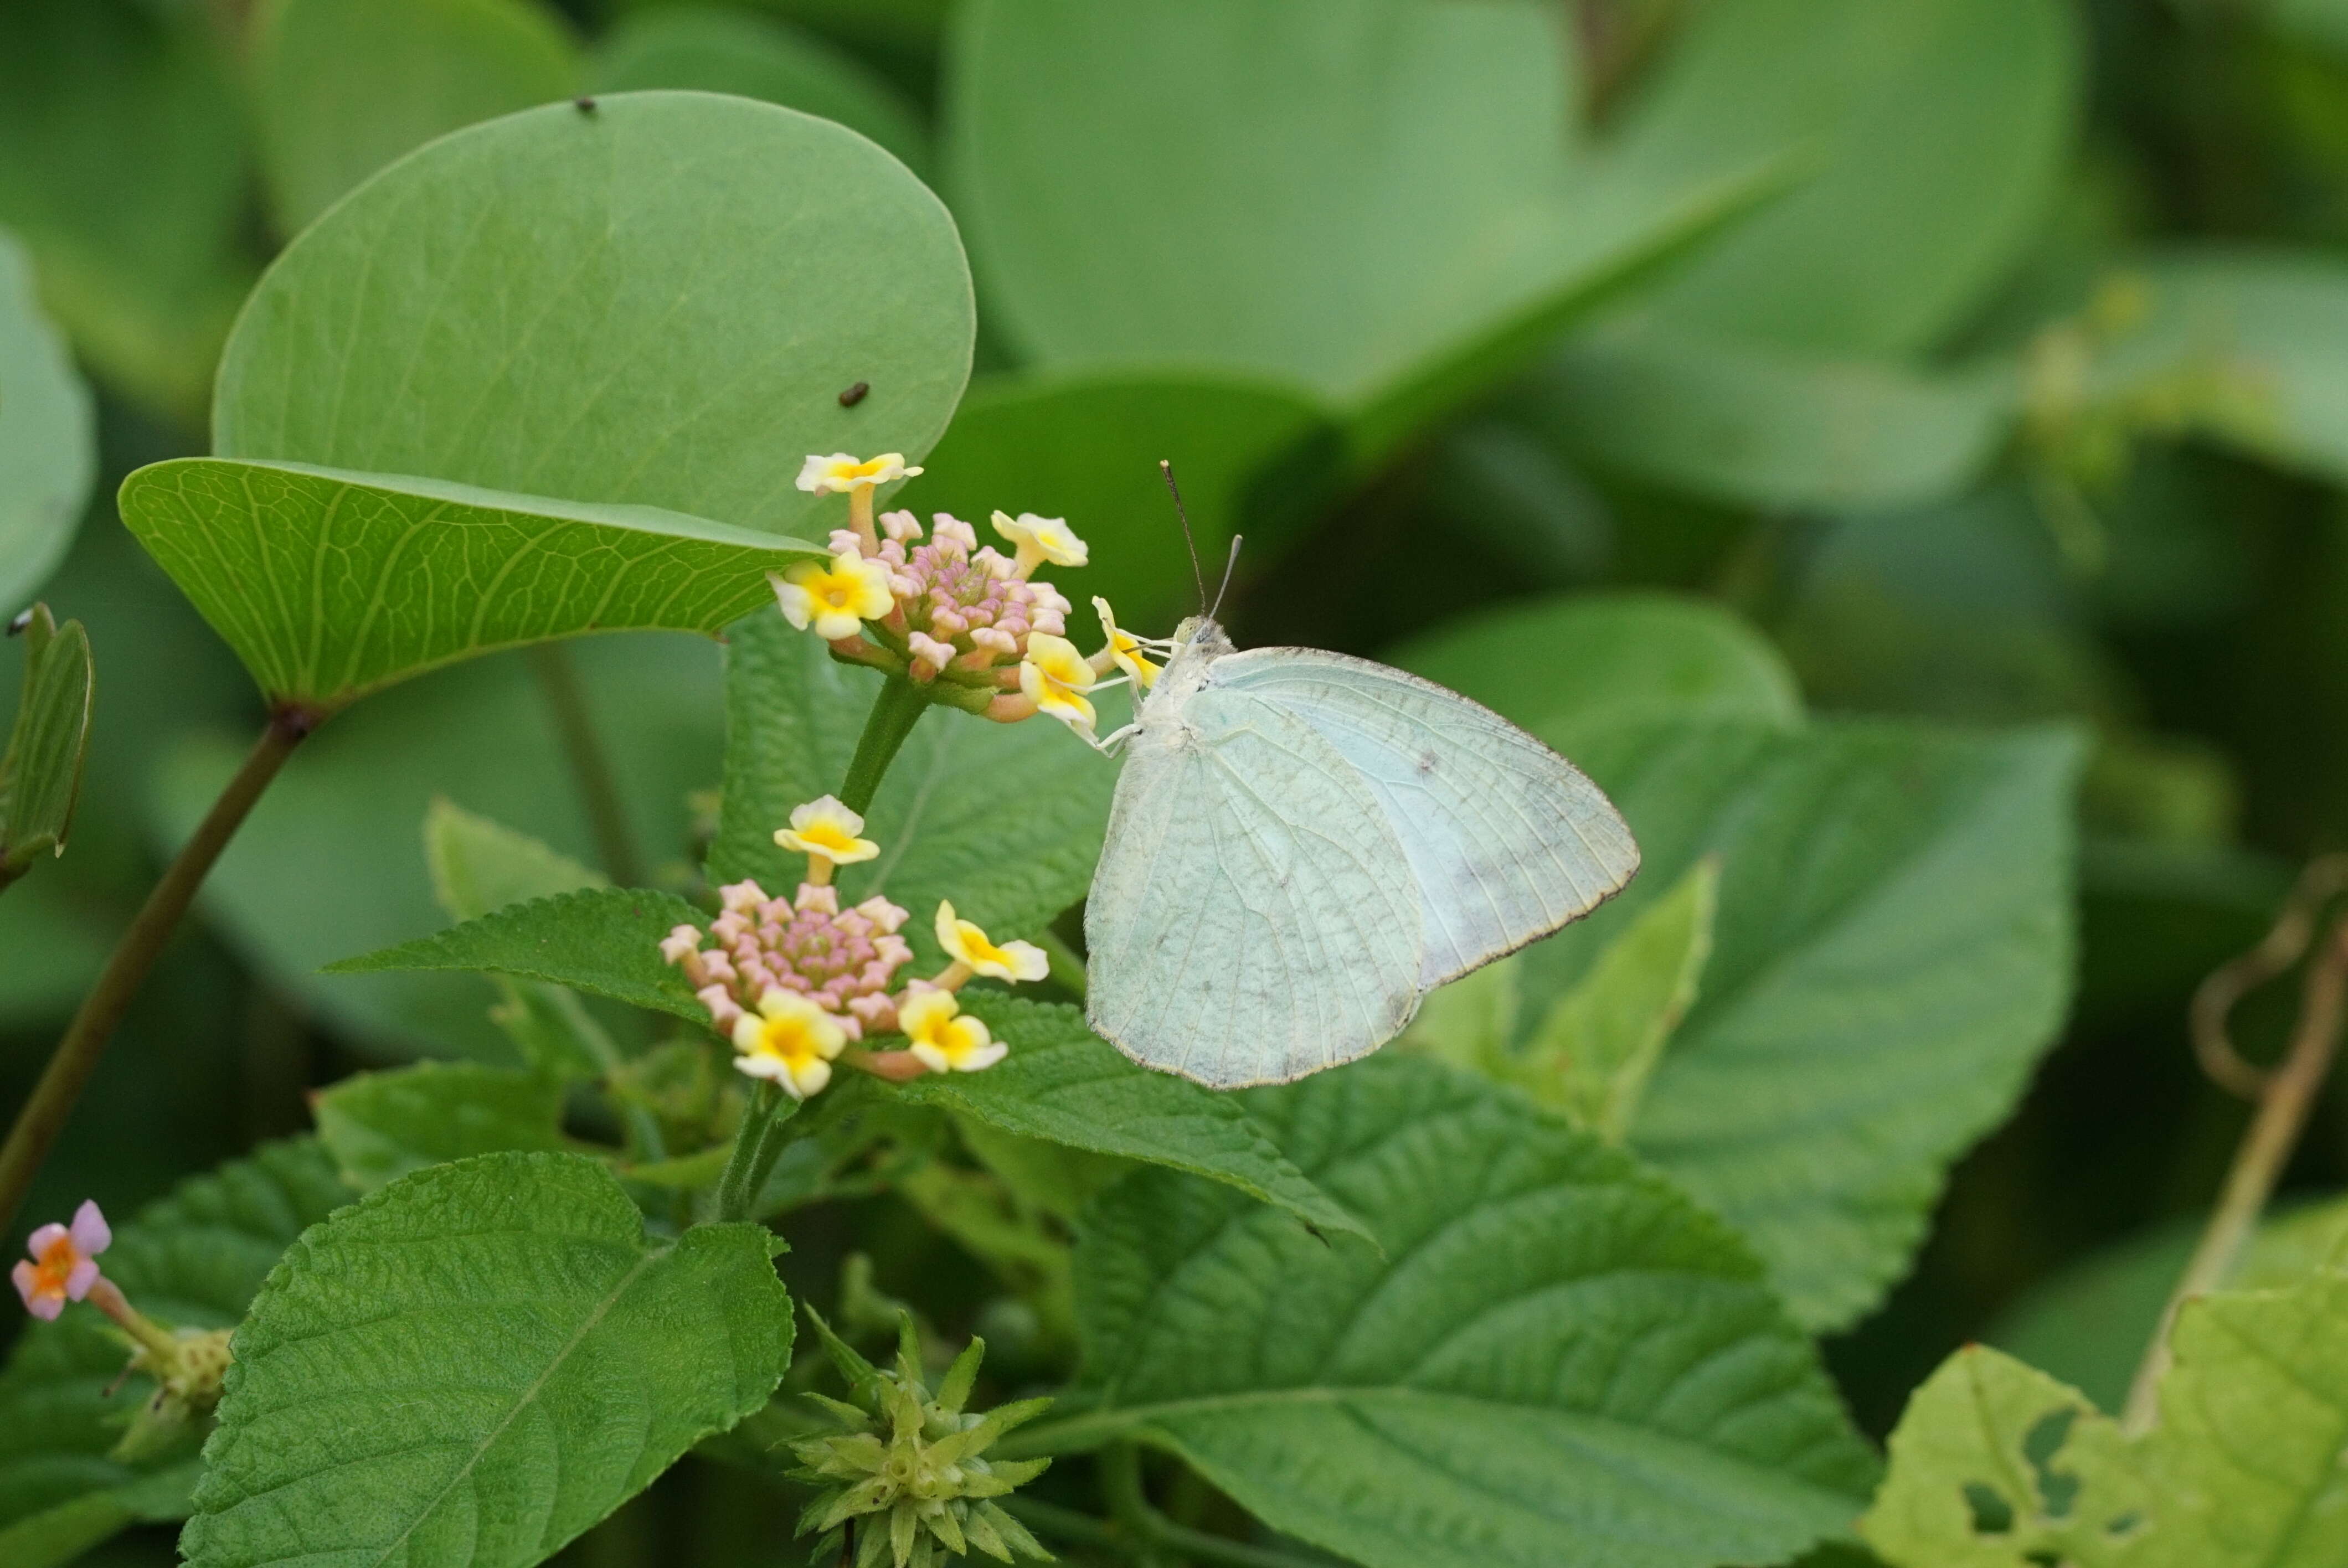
{"x":855,"y":395}
{"x":584,"y":106}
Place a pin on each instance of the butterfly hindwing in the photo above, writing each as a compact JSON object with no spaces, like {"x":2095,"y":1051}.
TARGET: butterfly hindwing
{"x":1259,"y":909}
{"x":1506,"y":841}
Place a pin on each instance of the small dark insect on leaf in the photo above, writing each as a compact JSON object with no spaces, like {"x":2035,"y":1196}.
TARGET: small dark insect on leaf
{"x":855,"y":395}
{"x":584,"y":106}
{"x":24,"y":618}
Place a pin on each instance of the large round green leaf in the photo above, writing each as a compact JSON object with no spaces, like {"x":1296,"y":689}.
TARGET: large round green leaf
{"x":656,"y":302}
{"x":343,"y":86}
{"x":1085,"y":447}
{"x":331,"y":585}
{"x":48,"y":443}
{"x":1937,"y":130}
{"x":1374,"y":199}
{"x":717,"y":51}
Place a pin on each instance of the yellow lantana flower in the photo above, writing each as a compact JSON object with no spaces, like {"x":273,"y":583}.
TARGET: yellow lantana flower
{"x":968,"y":946}
{"x":942,"y":1039}
{"x":826,"y":832}
{"x":835,"y":596}
{"x":1041,"y":539}
{"x":1056,"y":677}
{"x":1125,"y":649}
{"x":842,"y":474}
{"x":791,"y":1041}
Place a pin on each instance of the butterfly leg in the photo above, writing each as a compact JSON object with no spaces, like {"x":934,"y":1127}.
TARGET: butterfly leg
{"x":1108,"y":745}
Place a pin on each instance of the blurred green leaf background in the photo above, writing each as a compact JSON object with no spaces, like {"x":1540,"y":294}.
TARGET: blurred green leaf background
{"x":1906,"y":438}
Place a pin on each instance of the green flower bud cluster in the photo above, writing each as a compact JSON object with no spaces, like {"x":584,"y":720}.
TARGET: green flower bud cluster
{"x":905,"y":1480}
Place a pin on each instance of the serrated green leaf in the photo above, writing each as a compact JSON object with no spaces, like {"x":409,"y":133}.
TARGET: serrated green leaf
{"x":122,"y":168}
{"x":48,"y":436}
{"x":330,"y":865}
{"x":333,"y":585}
{"x":1572,"y":669}
{"x":1591,"y":1057}
{"x":1996,"y":1465}
{"x":2245,"y":1454}
{"x":193,"y":1260}
{"x":2087,"y":1323}
{"x":1757,"y":425}
{"x":717,"y":51}
{"x":40,"y":772}
{"x":1930,"y":135}
{"x":1892,"y":952}
{"x":1558,"y":1360}
{"x":1252,"y":456}
{"x":602,"y":940}
{"x":477,"y":1363}
{"x":1062,"y":1085}
{"x":707,"y":274}
{"x":380,"y":1126}
{"x":479,"y":866}
{"x":1892,"y":946}
{"x":341,"y":87}
{"x":1378,"y":201}
{"x":1005,"y":820}
{"x":2240,"y":1470}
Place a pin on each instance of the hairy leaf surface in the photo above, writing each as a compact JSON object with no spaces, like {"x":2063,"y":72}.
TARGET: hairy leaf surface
{"x":1556,"y":1360}
{"x":193,"y":1260}
{"x":477,"y":1363}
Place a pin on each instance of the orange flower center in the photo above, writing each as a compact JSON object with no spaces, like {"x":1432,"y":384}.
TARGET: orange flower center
{"x":54,"y":1268}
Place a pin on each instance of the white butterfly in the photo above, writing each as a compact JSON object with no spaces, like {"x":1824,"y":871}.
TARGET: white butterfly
{"x":1304,"y":843}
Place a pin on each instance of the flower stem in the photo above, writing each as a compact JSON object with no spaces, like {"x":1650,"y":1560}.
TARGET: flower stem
{"x":2284,"y":1102}
{"x":757,"y":1144}
{"x":894,"y":713}
{"x":590,"y":763}
{"x":1140,"y":1532}
{"x":45,"y":1114}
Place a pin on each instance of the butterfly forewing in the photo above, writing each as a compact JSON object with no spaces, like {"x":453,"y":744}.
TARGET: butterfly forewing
{"x":1506,"y":841}
{"x":1252,"y":918}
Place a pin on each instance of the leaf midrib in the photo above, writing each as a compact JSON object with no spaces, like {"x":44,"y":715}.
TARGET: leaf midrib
{"x":529,"y":1396}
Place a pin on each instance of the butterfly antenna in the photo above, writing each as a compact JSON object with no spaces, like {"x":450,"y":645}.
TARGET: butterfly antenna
{"x":1166,"y":468}
{"x":1230,"y":566}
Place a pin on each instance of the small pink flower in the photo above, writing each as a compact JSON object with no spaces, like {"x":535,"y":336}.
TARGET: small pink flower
{"x":842,"y":962}
{"x":64,"y":1262}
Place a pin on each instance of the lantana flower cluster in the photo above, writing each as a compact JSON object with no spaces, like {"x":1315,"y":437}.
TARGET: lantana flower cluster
{"x":795,"y":982}
{"x":973,"y":625}
{"x":187,"y":1364}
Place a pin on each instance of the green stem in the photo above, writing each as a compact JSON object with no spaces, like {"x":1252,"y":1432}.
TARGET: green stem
{"x":45,"y":1114}
{"x":2283,"y":1105}
{"x":757,"y":1144}
{"x":894,"y":713}
{"x":591,"y":764}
